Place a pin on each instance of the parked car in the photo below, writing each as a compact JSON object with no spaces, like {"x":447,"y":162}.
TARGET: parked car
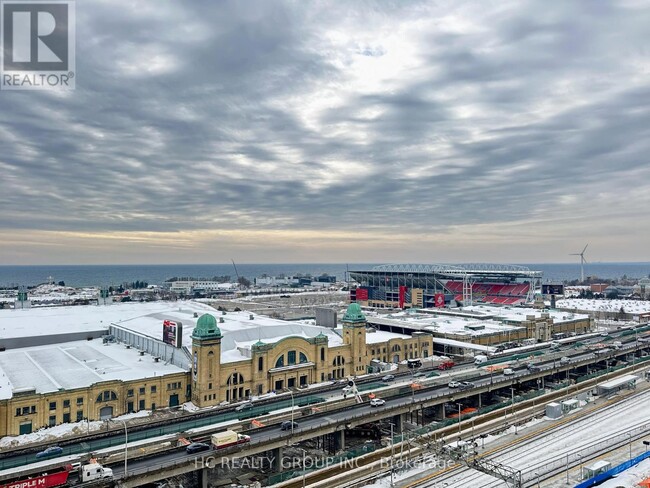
{"x":454,"y":384}
{"x":377,"y":402}
{"x":244,"y":406}
{"x":466,"y":384}
{"x":49,"y":452}
{"x":288,"y":425}
{"x":388,"y":377}
{"x":197,"y":447}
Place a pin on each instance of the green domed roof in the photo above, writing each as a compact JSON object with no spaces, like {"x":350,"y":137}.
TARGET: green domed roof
{"x":206,"y":327}
{"x":354,"y":314}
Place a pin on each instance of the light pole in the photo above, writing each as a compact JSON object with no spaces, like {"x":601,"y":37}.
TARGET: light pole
{"x":291,"y":393}
{"x":537,"y":474}
{"x":304,"y":469}
{"x":392,"y":456}
{"x":580,"y":457}
{"x":630,"y":436}
{"x":646,"y":444}
{"x":514,"y":420}
{"x":126,"y":446}
{"x":459,"y":407}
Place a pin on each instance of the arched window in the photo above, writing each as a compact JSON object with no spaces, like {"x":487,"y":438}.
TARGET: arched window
{"x":280,"y":362}
{"x":235,"y":379}
{"x":106,"y":396}
{"x":302,"y":358}
{"x":291,"y":358}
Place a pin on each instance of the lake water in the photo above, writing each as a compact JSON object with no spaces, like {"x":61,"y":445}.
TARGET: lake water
{"x":106,"y":275}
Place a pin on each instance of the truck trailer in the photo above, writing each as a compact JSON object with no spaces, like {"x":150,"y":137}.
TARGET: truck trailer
{"x":228,"y":438}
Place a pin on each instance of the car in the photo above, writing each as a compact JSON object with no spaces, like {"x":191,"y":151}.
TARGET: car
{"x":508,"y":372}
{"x":454,"y":384}
{"x":565,"y":360}
{"x":195,"y":447}
{"x":377,"y":402}
{"x":533,"y":368}
{"x":466,"y":384}
{"x":244,"y":406}
{"x":288,"y":425}
{"x":388,"y":377}
{"x":419,"y":374}
{"x":49,"y":452}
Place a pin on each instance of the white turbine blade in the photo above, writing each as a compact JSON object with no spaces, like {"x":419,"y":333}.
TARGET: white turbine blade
{"x":583,"y":251}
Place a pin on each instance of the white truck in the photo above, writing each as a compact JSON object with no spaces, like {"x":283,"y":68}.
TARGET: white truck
{"x":480,"y":359}
{"x":94,"y":471}
{"x":228,"y":438}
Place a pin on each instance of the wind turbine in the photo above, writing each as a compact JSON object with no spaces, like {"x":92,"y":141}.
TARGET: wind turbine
{"x":582,"y":263}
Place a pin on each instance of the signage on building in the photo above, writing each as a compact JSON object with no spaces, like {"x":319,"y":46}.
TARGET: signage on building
{"x":439,"y":300}
{"x":173,"y":333}
{"x":552,"y":289}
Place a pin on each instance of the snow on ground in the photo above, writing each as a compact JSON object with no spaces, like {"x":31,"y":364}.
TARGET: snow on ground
{"x":50,"y":434}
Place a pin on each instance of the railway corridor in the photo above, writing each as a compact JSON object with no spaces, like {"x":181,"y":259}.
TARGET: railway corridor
{"x":543,"y":451}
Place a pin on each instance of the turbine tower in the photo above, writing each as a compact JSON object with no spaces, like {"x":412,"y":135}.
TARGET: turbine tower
{"x":582,"y":263}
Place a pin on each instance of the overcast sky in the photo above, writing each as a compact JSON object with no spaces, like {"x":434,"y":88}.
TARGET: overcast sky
{"x":446,"y":131}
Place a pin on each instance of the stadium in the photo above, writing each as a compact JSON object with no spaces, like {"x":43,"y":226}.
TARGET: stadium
{"x":439,"y":285}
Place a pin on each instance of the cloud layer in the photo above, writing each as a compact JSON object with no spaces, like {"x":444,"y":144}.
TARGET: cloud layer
{"x":336,"y":131}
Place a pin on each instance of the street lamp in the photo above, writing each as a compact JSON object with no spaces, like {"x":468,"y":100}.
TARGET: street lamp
{"x":537,"y":474}
{"x":304,"y":469}
{"x":291,"y":393}
{"x":580,"y":457}
{"x":630,"y":436}
{"x":392,"y":455}
{"x":126,"y":446}
{"x":646,"y":444}
{"x":514,"y":420}
{"x":459,"y":407}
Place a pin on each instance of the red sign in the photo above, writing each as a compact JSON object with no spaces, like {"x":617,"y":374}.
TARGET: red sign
{"x":402,"y":295}
{"x":439,"y":300}
{"x":362,"y":294}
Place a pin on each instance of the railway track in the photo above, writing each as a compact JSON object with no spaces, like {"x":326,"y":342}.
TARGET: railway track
{"x":505,"y":454}
{"x":373,"y":465}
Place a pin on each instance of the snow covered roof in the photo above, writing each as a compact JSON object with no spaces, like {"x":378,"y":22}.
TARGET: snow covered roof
{"x":60,"y":320}
{"x":629,"y":306}
{"x":74,"y":365}
{"x":442,"y":324}
{"x":239,"y":332}
{"x":380,"y":336}
{"x":465,"y":345}
{"x":519,"y":314}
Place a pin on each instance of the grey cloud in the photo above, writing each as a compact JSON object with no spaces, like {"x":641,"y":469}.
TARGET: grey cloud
{"x":203,"y":142}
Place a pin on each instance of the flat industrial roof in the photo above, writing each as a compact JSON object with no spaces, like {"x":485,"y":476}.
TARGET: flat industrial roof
{"x":619,"y":381}
{"x":628,"y":306}
{"x":72,"y":365}
{"x":442,"y":324}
